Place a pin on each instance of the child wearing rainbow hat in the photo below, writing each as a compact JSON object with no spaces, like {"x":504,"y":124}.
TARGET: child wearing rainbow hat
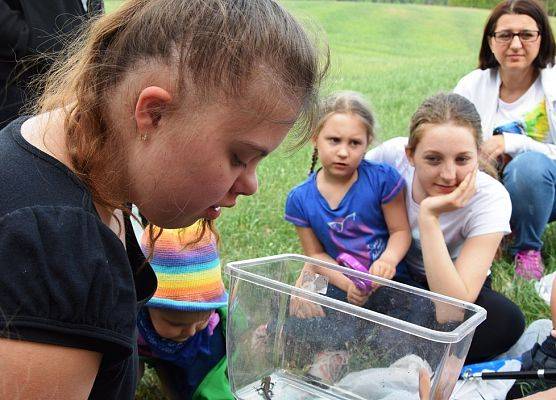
{"x":182,"y":327}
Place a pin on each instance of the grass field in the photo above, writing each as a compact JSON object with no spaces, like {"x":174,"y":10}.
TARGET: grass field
{"x":396,"y":55}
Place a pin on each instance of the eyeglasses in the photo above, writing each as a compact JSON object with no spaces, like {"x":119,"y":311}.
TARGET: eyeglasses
{"x":508,"y":36}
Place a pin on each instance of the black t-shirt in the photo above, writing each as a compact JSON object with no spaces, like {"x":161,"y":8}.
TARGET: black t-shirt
{"x":65,"y":277}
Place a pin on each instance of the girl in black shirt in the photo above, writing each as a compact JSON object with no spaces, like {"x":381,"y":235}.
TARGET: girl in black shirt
{"x":167,"y":104}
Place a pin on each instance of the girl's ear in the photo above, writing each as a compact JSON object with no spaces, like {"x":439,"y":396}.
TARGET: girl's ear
{"x":151,"y":103}
{"x":409,"y":154}
{"x":370,"y":141}
{"x":314,"y":139}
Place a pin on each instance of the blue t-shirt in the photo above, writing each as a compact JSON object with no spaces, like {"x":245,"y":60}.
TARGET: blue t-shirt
{"x":357,"y":226}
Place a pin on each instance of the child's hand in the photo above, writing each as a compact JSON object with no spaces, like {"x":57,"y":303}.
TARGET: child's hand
{"x":355,"y":296}
{"x":436,"y":205}
{"x":305,"y":309}
{"x":383,"y":269}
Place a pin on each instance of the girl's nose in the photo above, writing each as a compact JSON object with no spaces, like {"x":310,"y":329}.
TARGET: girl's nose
{"x":247,"y":183}
{"x":448,"y":172}
{"x":343,"y":152}
{"x":189,"y":331}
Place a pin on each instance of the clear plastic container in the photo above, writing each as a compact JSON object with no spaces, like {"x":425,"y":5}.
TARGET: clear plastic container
{"x":331,"y":349}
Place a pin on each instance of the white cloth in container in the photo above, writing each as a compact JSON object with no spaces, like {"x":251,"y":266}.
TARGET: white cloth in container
{"x":400,"y":381}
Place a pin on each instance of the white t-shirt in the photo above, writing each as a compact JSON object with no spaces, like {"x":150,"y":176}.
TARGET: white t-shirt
{"x":488,"y":211}
{"x":525,"y":116}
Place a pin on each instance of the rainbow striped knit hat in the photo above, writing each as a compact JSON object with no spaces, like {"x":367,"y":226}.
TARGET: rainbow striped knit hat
{"x":189,"y":275}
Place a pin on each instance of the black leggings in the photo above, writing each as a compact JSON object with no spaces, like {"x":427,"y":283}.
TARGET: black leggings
{"x":502,"y":328}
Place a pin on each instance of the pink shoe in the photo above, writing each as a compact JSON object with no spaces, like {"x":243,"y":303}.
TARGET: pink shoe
{"x":528,"y":264}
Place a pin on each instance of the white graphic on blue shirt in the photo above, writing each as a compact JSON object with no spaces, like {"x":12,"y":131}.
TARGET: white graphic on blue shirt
{"x":357,"y":225}
{"x":339,"y":226}
{"x":352,"y":237}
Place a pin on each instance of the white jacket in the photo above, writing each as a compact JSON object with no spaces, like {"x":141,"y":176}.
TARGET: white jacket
{"x":482,"y":88}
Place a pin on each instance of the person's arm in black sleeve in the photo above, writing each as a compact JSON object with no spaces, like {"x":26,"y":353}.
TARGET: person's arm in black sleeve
{"x":14,"y":32}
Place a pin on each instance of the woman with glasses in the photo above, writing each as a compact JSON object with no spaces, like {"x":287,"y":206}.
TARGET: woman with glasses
{"x":514,"y":91}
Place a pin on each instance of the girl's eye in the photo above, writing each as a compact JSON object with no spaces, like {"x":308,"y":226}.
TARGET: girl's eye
{"x":432,"y":160}
{"x":173,"y":324}
{"x":355,"y":143}
{"x":462,"y":160}
{"x":236,"y":162}
{"x":334,"y":140}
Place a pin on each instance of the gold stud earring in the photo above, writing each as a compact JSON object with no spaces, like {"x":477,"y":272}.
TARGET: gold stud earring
{"x":144,"y":136}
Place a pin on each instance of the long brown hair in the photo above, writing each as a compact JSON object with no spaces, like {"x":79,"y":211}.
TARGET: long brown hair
{"x":531,"y":8}
{"x":216,"y":47}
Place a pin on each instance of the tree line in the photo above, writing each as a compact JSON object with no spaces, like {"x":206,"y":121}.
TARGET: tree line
{"x":550,"y":5}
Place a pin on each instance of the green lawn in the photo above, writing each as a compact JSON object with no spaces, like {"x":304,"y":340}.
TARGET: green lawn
{"x":396,"y":55}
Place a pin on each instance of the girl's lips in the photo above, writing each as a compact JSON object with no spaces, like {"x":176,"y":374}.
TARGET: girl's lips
{"x":212,"y":212}
{"x":445,"y":189}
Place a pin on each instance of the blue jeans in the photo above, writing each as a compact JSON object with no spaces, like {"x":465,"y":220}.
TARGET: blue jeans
{"x":530,"y":178}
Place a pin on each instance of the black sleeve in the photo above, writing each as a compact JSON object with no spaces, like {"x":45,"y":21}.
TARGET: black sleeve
{"x":14,"y":32}
{"x":65,"y":279}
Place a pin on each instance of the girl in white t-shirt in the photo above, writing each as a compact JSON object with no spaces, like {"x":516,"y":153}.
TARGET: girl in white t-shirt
{"x":458,"y":215}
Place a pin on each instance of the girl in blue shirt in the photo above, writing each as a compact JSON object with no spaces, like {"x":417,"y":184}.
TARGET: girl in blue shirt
{"x":349,"y":206}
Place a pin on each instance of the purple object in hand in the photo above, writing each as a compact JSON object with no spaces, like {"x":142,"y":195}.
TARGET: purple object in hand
{"x":349,"y":261}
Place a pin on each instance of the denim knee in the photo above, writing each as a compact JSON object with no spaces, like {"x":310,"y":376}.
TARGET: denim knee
{"x":526,"y":171}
